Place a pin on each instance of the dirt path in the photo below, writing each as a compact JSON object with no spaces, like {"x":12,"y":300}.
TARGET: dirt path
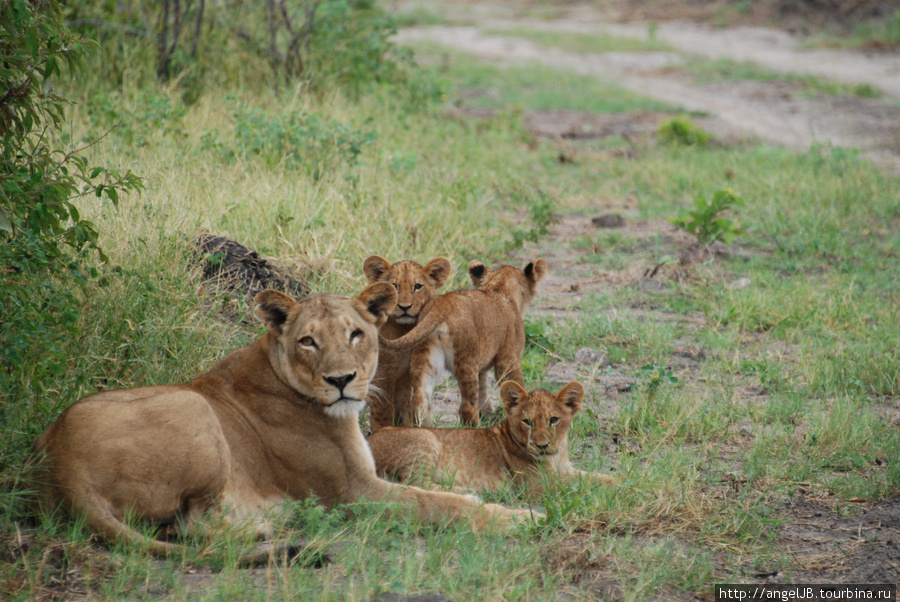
{"x":775,"y":112}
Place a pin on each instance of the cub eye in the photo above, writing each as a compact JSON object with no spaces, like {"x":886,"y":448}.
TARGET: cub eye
{"x":308,"y":342}
{"x":356,"y":334}
{"x":527,"y":422}
{"x":554,"y":420}
{"x":418,"y":287}
{"x":396,"y":286}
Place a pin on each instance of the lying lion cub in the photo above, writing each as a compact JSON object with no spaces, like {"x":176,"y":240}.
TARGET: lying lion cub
{"x":274,"y":421}
{"x":469,"y":332}
{"x":415,"y":286}
{"x":535,"y":435}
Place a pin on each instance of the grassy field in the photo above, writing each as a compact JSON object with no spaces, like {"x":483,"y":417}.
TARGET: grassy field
{"x":721,"y":404}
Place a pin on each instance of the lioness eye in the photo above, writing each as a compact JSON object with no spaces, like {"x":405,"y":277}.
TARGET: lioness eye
{"x":554,"y":420}
{"x":417,"y":287}
{"x":356,"y":334}
{"x":307,"y":342}
{"x":527,"y":422}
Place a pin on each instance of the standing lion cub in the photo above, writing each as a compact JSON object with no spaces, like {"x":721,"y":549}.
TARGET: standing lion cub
{"x":275,"y":421}
{"x":468,"y":332}
{"x":415,"y":286}
{"x":534,"y":436}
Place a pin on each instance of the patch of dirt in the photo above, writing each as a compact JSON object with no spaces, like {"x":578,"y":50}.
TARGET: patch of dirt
{"x":831,"y":547}
{"x":797,"y":16}
{"x":770,"y":111}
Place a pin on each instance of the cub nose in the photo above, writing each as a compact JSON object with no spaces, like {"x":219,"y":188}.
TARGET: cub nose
{"x":404,"y":307}
{"x":339,"y":382}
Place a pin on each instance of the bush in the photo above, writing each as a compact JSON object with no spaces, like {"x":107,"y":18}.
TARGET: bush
{"x":38,"y":181}
{"x":42,"y":234}
{"x":681,"y":130}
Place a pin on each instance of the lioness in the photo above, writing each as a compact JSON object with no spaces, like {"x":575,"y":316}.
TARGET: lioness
{"x":273,"y":421}
{"x":416,"y":285}
{"x":469,"y":332}
{"x":534,"y":436}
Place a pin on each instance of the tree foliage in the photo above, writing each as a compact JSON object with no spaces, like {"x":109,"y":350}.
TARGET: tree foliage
{"x":41,"y":229}
{"x":39,"y":181}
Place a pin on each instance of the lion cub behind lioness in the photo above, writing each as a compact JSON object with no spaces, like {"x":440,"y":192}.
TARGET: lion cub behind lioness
{"x":534,"y":436}
{"x":467,"y":333}
{"x":415,"y":285}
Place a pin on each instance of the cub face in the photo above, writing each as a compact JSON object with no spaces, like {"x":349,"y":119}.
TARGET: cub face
{"x":415,"y":285}
{"x":539,"y":420}
{"x":326,"y":346}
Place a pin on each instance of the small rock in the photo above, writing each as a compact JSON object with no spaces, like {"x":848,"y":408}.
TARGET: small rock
{"x":610,"y":220}
{"x":560,"y":372}
{"x":739,"y":283}
{"x":650,"y":285}
{"x":591,"y":357}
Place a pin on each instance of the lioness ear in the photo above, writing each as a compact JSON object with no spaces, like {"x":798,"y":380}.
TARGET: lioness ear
{"x":571,"y":395}
{"x":536,"y":270}
{"x":375,"y":267}
{"x":512,"y":394}
{"x":272,"y":307}
{"x":477,"y":271}
{"x":438,"y":270}
{"x":378,"y":299}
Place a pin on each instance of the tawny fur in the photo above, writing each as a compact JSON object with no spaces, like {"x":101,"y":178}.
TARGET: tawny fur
{"x":415,"y":286}
{"x":530,"y":445}
{"x":274,"y":421}
{"x":467,"y":333}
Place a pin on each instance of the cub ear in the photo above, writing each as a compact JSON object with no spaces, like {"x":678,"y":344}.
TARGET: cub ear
{"x":375,"y":268}
{"x":512,"y":394}
{"x":571,"y":396}
{"x":477,"y":271}
{"x":438,"y":270}
{"x":378,"y":299}
{"x":536,"y":270}
{"x":272,"y":307}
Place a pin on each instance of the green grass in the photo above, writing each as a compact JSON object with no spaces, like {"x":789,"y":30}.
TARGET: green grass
{"x":533,"y":87}
{"x":581,"y":43}
{"x":877,"y":34}
{"x":706,"y":71}
{"x":789,"y":393}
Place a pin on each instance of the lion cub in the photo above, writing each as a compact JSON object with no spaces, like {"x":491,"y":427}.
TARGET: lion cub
{"x":534,"y":436}
{"x":415,"y":286}
{"x":468,"y":332}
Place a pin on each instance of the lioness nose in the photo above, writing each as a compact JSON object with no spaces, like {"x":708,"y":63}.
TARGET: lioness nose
{"x":542,"y":445}
{"x":339,"y":382}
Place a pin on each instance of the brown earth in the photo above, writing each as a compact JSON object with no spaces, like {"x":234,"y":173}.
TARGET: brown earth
{"x":775,"y":112}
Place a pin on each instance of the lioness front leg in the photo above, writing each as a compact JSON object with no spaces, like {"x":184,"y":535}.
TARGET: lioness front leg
{"x":594,"y":478}
{"x":439,"y":507}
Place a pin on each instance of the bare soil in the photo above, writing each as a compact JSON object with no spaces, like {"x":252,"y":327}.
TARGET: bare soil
{"x":773,"y":112}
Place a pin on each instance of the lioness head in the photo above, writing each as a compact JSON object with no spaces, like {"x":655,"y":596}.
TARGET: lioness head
{"x":539,"y":420}
{"x":326,"y":346}
{"x":415,"y":285}
{"x":518,"y":285}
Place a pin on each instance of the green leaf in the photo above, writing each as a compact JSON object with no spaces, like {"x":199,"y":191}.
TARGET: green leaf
{"x":5,"y":224}
{"x":32,"y":42}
